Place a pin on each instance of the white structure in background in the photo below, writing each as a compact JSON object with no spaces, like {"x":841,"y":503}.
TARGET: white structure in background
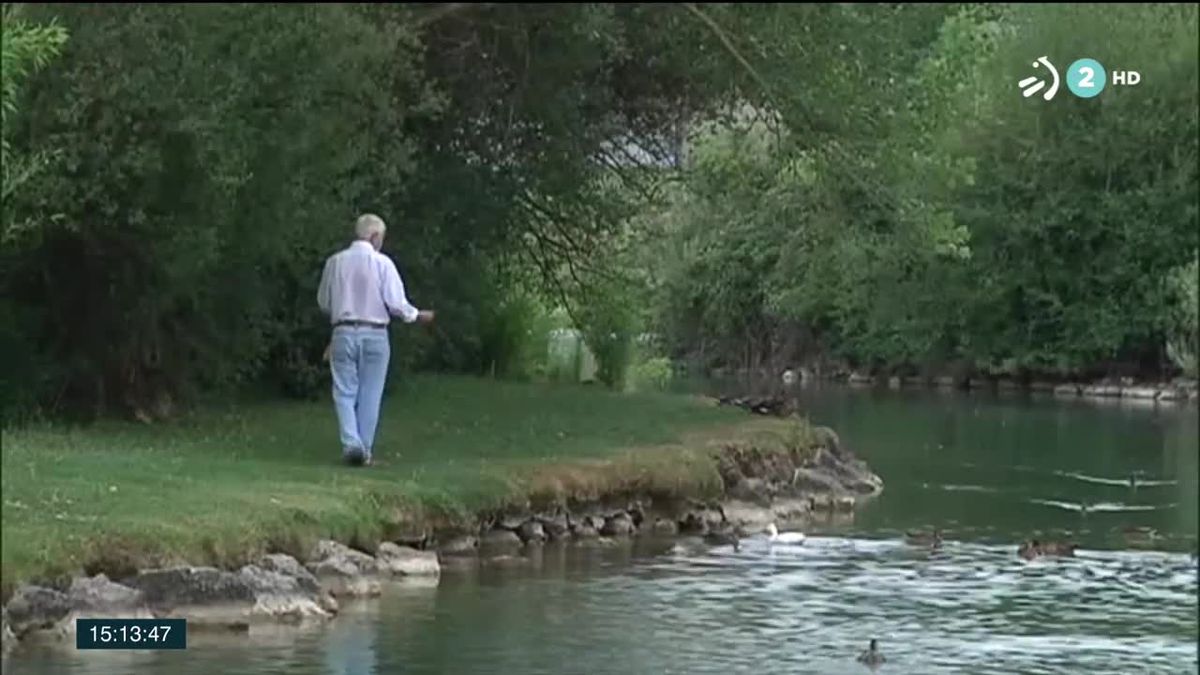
{"x":570,"y":356}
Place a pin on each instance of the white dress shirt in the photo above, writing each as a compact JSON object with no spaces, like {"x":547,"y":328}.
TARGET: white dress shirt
{"x":362,"y":284}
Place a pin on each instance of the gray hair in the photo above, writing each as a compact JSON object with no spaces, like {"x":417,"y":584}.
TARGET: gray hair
{"x":369,"y":225}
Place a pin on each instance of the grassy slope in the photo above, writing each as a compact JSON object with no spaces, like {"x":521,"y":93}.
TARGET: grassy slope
{"x":222,"y":485}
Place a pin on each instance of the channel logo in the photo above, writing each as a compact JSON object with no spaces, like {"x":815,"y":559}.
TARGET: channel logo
{"x":1086,"y":78}
{"x":1032,"y":85}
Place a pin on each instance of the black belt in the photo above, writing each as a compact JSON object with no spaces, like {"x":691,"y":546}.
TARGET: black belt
{"x":360,"y":324}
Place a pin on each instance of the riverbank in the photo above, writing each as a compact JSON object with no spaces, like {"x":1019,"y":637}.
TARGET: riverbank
{"x":466,"y":464}
{"x":1175,"y":391}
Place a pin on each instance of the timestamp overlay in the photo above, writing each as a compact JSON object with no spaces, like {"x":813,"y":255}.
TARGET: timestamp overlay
{"x":130,"y":634}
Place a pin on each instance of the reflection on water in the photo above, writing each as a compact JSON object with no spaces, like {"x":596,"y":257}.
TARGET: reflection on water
{"x":988,"y":472}
{"x":994,"y":468}
{"x":1111,"y":507}
{"x":1132,"y":482}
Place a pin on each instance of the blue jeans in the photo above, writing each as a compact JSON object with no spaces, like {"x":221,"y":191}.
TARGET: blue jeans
{"x":358,"y":359}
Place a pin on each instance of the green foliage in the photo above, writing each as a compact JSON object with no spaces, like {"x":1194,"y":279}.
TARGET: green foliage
{"x":949,"y":219}
{"x":25,"y":48}
{"x":654,"y":374}
{"x":210,"y":157}
{"x":1183,"y":332}
{"x":608,"y":321}
{"x":1078,"y":208}
{"x":881,"y":200}
{"x":516,"y":336}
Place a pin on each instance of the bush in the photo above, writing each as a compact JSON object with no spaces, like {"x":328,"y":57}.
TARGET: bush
{"x":201,"y":179}
{"x":515,"y":337}
{"x":1183,"y":341}
{"x":652,"y":373}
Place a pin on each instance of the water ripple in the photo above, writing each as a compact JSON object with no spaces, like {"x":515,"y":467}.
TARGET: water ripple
{"x":968,"y":608}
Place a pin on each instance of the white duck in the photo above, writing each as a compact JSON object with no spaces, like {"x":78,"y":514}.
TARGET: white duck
{"x":786,"y":537}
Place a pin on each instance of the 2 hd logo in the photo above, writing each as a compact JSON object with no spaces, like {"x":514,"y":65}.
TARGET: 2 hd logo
{"x":1086,"y":78}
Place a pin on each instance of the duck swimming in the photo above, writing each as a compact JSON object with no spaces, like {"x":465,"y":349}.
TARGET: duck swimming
{"x":872,"y":657}
{"x":930,"y":539}
{"x":1029,"y":550}
{"x":1140,"y":536}
{"x":1034,"y":548}
{"x":784,"y":538}
{"x":723,"y":537}
{"x":1059,"y":548}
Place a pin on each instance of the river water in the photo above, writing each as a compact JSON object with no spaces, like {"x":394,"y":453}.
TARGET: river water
{"x":988,"y":471}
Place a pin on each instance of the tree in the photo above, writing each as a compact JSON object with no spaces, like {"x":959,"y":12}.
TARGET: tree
{"x":947,"y":219}
{"x":209,"y":156}
{"x":25,"y":48}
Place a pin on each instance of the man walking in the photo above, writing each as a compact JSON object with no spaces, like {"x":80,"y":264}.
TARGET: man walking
{"x":360,"y":291}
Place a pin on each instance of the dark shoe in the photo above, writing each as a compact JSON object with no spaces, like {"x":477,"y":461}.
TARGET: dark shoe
{"x":354,"y":456}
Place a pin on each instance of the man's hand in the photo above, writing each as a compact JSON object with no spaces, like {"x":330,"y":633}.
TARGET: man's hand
{"x":425,"y":316}
{"x":328,"y":350}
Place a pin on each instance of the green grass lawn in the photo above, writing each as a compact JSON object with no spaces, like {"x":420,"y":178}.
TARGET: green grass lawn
{"x":224,"y":484}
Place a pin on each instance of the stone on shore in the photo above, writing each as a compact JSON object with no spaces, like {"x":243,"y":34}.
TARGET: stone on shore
{"x":280,"y":596}
{"x":701,"y":519}
{"x":822,"y":503}
{"x":403,"y":561}
{"x":811,"y":480}
{"x":790,"y":509}
{"x":618,"y":525}
{"x":749,"y":490}
{"x":286,"y":564}
{"x":585,"y":526}
{"x":1066,"y":390}
{"x":850,"y":475}
{"x":596,"y":521}
{"x":556,"y":526}
{"x":98,"y":597}
{"x":531,"y":532}
{"x":202,"y":595}
{"x":499,"y":539}
{"x":459,"y":546}
{"x":584,"y":530}
{"x":35,"y":608}
{"x":510,"y":521}
{"x":1102,"y":391}
{"x":8,"y":639}
{"x":665,"y":527}
{"x":747,"y":515}
{"x":343,"y":571}
{"x":305,"y":581}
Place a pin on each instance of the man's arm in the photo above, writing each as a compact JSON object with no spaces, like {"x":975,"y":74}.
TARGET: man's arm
{"x":324,"y":291}
{"x":393,"y":293}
